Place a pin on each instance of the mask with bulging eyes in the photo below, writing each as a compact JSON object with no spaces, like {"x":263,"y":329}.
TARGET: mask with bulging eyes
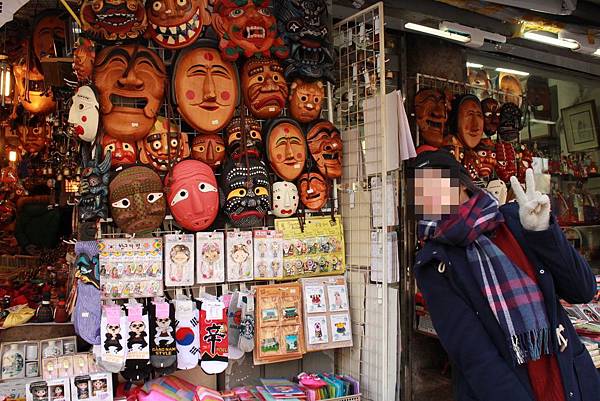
{"x":325,"y":145}
{"x":84,"y":115}
{"x":234,"y":133}
{"x":510,"y":122}
{"x":486,"y":155}
{"x":506,"y":165}
{"x":306,"y":99}
{"x":314,"y":190}
{"x":93,"y":190}
{"x":209,"y":149}
{"x":264,"y":87}
{"x":123,"y":153}
{"x":285,"y":198}
{"x":164,"y":145}
{"x":491,"y":115}
{"x":137,"y":201}
{"x":113,"y":20}
{"x":176,"y":24}
{"x":192,"y":195}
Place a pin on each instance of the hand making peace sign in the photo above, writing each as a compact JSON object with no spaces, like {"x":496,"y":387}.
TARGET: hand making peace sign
{"x":534,"y":207}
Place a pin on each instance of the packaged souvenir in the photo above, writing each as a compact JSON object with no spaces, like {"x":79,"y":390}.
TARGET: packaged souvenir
{"x":92,"y":387}
{"x":268,"y":254}
{"x":239,"y":256}
{"x":179,"y":260}
{"x":210,"y":259}
{"x":20,"y":360}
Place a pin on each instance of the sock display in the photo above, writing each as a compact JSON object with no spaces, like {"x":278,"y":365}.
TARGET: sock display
{"x":234,"y":318}
{"x":113,"y":351}
{"x":137,"y":366}
{"x":186,"y":334}
{"x":213,"y":337}
{"x":246,"y":339}
{"x":163,"y":351}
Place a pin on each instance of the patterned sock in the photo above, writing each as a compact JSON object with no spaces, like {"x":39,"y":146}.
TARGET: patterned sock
{"x":186,"y":334}
{"x":113,"y":325}
{"x":213,"y":337}
{"x":137,"y":366}
{"x":246,"y":341}
{"x":87,"y":262}
{"x":234,"y":314}
{"x":163,"y":351}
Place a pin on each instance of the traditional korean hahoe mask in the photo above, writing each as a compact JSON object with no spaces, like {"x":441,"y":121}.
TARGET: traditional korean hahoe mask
{"x":325,"y":145}
{"x":246,"y":192}
{"x":163,"y":146}
{"x":506,"y":165}
{"x":498,"y":189}
{"x":491,"y":115}
{"x":137,"y":200}
{"x":123,"y":153}
{"x":264,"y":87}
{"x":209,"y":149}
{"x":285,"y":199}
{"x":479,"y":81}
{"x":205,"y":88}
{"x":431,"y":109}
{"x":35,"y":136}
{"x":49,"y":35}
{"x":94,"y":188}
{"x":131,"y":84}
{"x":486,"y":154}
{"x":306,"y":100}
{"x":84,"y":114}
{"x":247,"y":27}
{"x":113,"y":20}
{"x":234,"y":133}
{"x":510,"y":85}
{"x":31,"y":90}
{"x":192,"y":195}
{"x":286,"y":148}
{"x":83,"y":60}
{"x":314,"y":190}
{"x":304,"y":26}
{"x":177,"y":23}
{"x":510,"y":122}
{"x":468,"y":121}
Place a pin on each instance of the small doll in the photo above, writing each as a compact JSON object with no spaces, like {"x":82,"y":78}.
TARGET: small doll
{"x":58,"y":394}
{"x":83,"y":390}
{"x":98,"y":387}
{"x":180,"y":255}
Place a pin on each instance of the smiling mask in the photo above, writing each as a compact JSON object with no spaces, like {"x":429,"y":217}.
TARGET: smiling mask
{"x":314,"y":190}
{"x":113,"y":20}
{"x":325,"y":145}
{"x":264,"y":87}
{"x":285,"y":199}
{"x":84,"y":114}
{"x":163,"y":146}
{"x":286,"y":148}
{"x":174,"y":24}
{"x":431,"y":109}
{"x":31,"y":90}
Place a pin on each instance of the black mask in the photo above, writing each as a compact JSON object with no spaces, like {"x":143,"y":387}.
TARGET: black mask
{"x":233,"y":138}
{"x":94,"y":189}
{"x":510,"y":122}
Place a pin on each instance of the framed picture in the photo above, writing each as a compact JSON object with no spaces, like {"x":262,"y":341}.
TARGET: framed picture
{"x":581,"y":126}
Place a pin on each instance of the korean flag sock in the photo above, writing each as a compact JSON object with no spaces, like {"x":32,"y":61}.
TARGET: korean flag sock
{"x":137,"y":366}
{"x":163,"y":351}
{"x":213,"y":337}
{"x":246,"y":341}
{"x":186,"y":334}
{"x":113,"y":325}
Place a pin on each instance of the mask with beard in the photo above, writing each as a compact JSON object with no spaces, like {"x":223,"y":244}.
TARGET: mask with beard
{"x":264,"y":87}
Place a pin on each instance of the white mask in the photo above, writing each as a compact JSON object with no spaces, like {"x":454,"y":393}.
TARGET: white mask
{"x":84,"y":114}
{"x":285,"y":199}
{"x":498,"y":189}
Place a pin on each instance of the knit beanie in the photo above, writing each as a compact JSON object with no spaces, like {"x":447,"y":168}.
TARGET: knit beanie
{"x":443,"y":159}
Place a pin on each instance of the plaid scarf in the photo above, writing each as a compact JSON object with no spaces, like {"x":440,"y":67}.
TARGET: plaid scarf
{"x":513,"y":296}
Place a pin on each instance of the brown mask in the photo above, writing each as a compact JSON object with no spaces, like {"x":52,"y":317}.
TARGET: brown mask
{"x":234,"y":133}
{"x":38,"y":98}
{"x":480,"y":82}
{"x":177,"y":23}
{"x":314,"y":190}
{"x":431,"y":108}
{"x":306,"y":100}
{"x":83,"y":60}
{"x":205,"y":88}
{"x":113,"y":20}
{"x":34,"y":138}
{"x":131,"y":84}
{"x":209,"y":149}
{"x":161,"y":147}
{"x":286,"y":148}
{"x":511,"y":86}
{"x":325,"y":145}
{"x":491,"y":115}
{"x":538,"y":97}
{"x":49,"y":35}
{"x":470,"y":121}
{"x":264,"y":87}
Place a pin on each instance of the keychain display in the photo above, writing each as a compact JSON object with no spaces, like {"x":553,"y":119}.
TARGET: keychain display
{"x":316,"y":250}
{"x":268,"y":254}
{"x":239,"y":256}
{"x":210,"y":257}
{"x":57,"y":389}
{"x":131,"y":268}
{"x":179,"y":260}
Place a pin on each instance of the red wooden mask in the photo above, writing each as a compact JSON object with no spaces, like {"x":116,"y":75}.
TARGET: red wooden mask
{"x":31,"y":90}
{"x":205,"y":88}
{"x":325,"y":145}
{"x":431,"y":108}
{"x":48,"y":35}
{"x":506,"y":165}
{"x":209,"y":149}
{"x":264,"y":87}
{"x":177,"y":23}
{"x":83,"y":60}
{"x":306,"y":100}
{"x":486,"y":154}
{"x":247,"y":27}
{"x":286,"y":148}
{"x":234,"y":134}
{"x":491,"y":115}
{"x":163,"y":145}
{"x":131,"y":81}
{"x":122,"y":153}
{"x":525,"y":161}
{"x":113,"y":20}
{"x":314,"y":190}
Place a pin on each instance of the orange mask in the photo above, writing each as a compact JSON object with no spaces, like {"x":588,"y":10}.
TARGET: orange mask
{"x":314,"y":190}
{"x":163,"y":146}
{"x":286,"y":148}
{"x":177,"y":23}
{"x":264,"y":87}
{"x":209,"y":149}
{"x":37,"y":98}
{"x":306,"y":100}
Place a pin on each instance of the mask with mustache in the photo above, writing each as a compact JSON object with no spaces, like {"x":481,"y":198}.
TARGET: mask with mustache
{"x":264,"y":87}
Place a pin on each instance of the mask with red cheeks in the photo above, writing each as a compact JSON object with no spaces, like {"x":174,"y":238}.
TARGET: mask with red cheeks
{"x":491,"y":115}
{"x":177,"y":23}
{"x":486,"y":155}
{"x":192,"y":195}
{"x":286,"y":148}
{"x":264,"y":87}
{"x":314,"y":190}
{"x":209,"y":149}
{"x":122,"y":153}
{"x":506,"y":165}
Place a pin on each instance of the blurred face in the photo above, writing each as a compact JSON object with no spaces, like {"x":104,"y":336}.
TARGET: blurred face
{"x":436,"y":194}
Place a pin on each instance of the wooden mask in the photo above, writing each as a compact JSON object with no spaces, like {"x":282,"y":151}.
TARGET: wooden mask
{"x":49,"y":35}
{"x":31,"y":90}
{"x":264,"y":87}
{"x":286,"y":148}
{"x":163,"y":146}
{"x":479,"y":81}
{"x":431,"y":109}
{"x":123,"y":153}
{"x":506,"y":164}
{"x":247,"y":28}
{"x":538,"y":97}
{"x":486,"y":154}
{"x":209,"y":149}
{"x":113,"y":20}
{"x":35,"y":136}
{"x":174,"y":24}
{"x":511,"y":87}
{"x":468,"y":120}
{"x":83,"y":60}
{"x":94,"y":188}
{"x":306,"y":100}
{"x":510,"y":122}
{"x":325,"y":145}
{"x":491,"y":115}
{"x":131,"y":82}
{"x":205,"y":88}
{"x":314,"y":190}
{"x":234,"y":133}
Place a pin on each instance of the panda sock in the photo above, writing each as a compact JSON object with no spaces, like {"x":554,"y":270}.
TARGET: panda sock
{"x":213,"y":337}
{"x":137,"y":366}
{"x":186,"y":334}
{"x":246,"y":341}
{"x":113,"y":325}
{"x":234,"y":314}
{"x":163,"y":351}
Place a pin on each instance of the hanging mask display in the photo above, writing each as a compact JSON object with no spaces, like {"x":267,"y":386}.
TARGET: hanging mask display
{"x":192,"y":195}
{"x":467,"y":120}
{"x":456,"y":148}
{"x":94,"y":188}
{"x":35,"y":136}
{"x":84,"y":56}
{"x":246,"y":192}
{"x":524,"y":161}
{"x":264,"y":87}
{"x":314,"y":190}
{"x":163,"y":146}
{"x":31,"y":90}
{"x":471,"y":163}
{"x":285,"y":199}
{"x":304,"y":26}
{"x":205,"y":88}
{"x":486,"y":155}
{"x":84,"y":115}
{"x":136,"y":200}
{"x":325,"y":145}
{"x":431,"y":109}
{"x":306,"y":100}
{"x":479,"y":82}
{"x":510,"y":122}
{"x":114,"y":20}
{"x":510,"y":86}
{"x":491,"y":115}
{"x":233,"y":136}
{"x":209,"y":149}
{"x":286,"y":148}
{"x":506,"y":165}
{"x":247,"y":28}
{"x":131,"y":82}
{"x":538,"y":98}
{"x":498,"y":189}
{"x":177,"y":24}
{"x":49,"y":35}
{"x":122,"y":153}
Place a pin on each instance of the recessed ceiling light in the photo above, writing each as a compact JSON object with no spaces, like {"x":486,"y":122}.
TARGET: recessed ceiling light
{"x":548,"y":39}
{"x":474,"y":65}
{"x":437,"y":32}
{"x":511,"y":71}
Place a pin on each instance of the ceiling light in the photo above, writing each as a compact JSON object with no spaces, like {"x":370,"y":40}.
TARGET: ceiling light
{"x":551,"y":40}
{"x":474,"y":65}
{"x":511,"y":71}
{"x":587,"y":45}
{"x":478,"y":36}
{"x":437,"y":32}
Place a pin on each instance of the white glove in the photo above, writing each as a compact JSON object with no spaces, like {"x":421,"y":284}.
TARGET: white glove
{"x":534,"y":207}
